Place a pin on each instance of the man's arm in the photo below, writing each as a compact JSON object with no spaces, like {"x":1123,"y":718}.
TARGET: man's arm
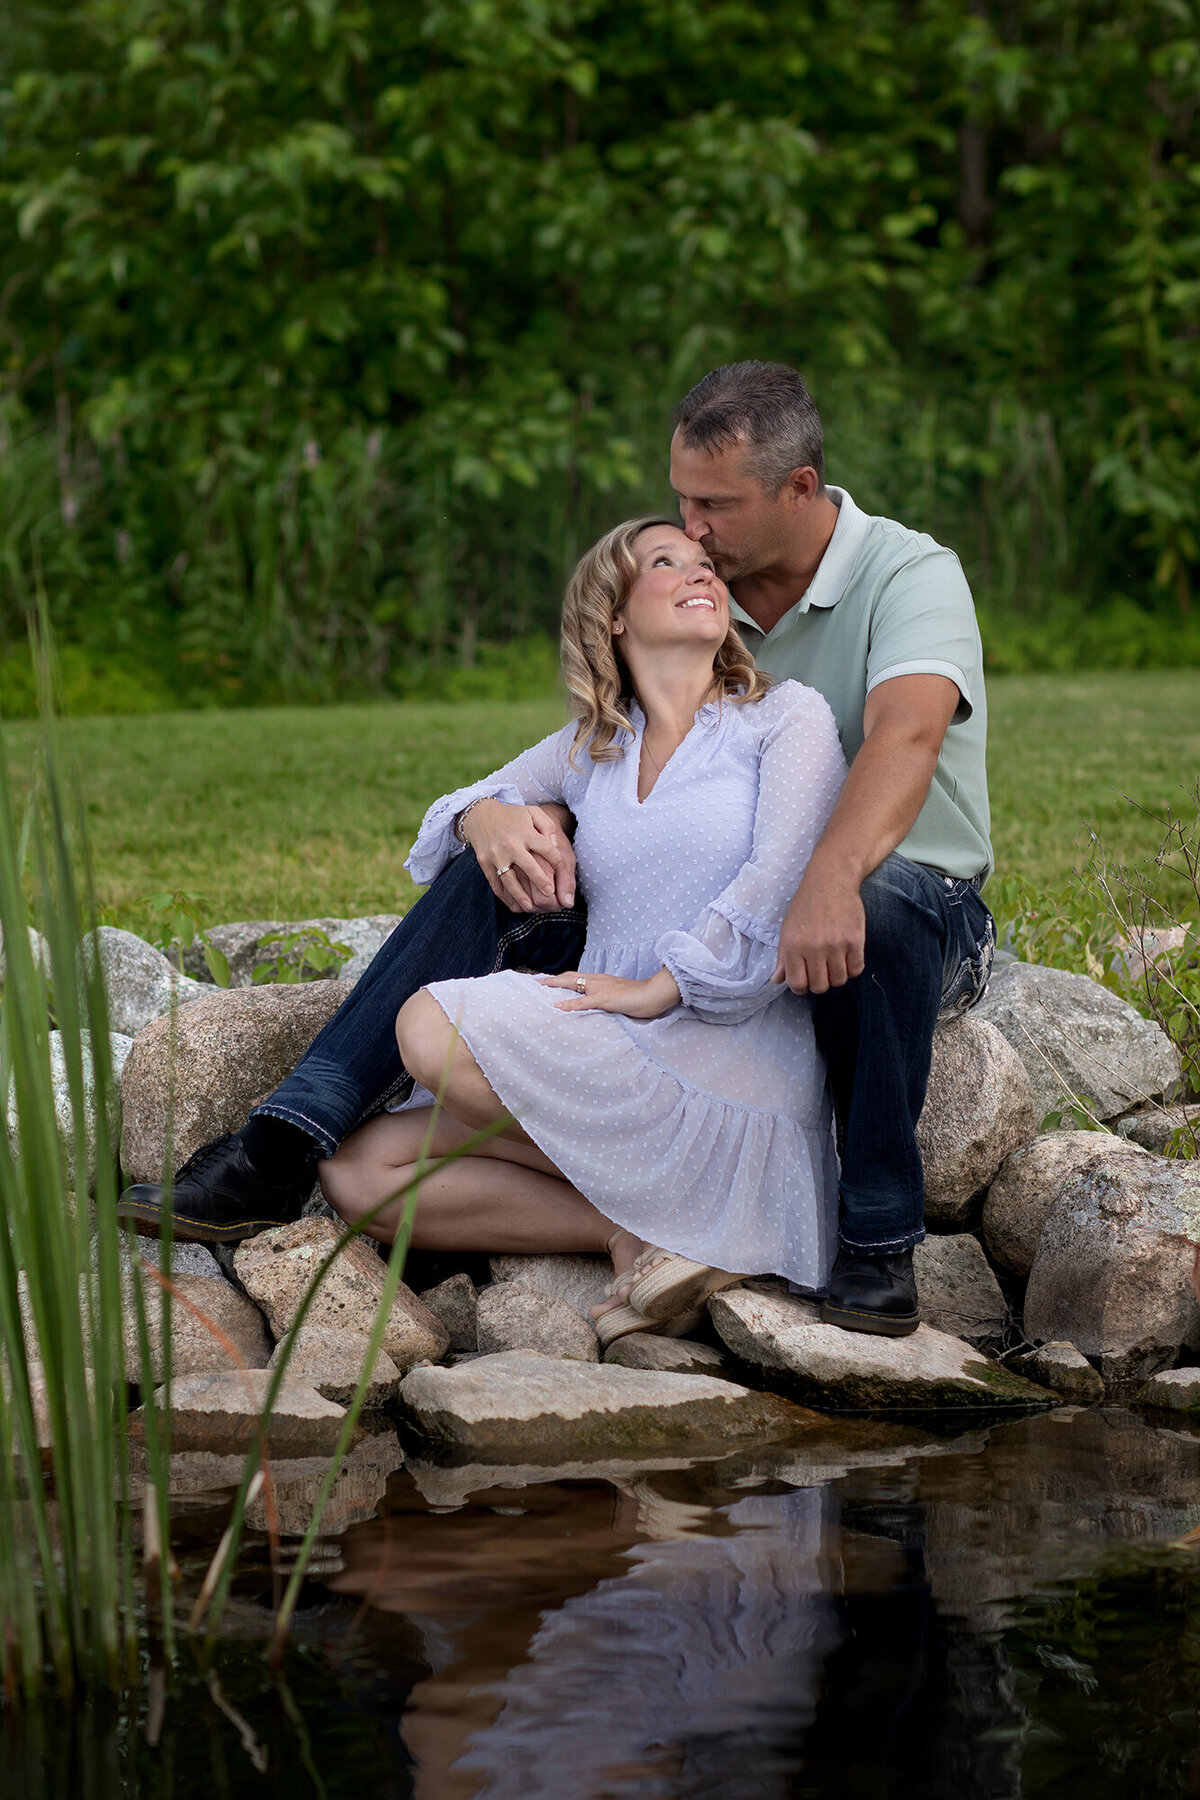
{"x":824,"y":929}
{"x":532,"y":844}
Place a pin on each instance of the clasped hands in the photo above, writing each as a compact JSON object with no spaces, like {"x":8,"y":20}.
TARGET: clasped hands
{"x":525,"y":853}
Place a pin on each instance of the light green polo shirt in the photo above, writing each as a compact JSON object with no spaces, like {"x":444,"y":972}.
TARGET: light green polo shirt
{"x":888,"y":601}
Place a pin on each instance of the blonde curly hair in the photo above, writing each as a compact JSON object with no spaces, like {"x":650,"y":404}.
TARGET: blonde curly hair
{"x":594,"y":670}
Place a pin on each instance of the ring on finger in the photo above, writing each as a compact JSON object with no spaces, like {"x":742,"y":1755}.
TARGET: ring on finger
{"x":504,"y":870}
{"x":581,"y":984}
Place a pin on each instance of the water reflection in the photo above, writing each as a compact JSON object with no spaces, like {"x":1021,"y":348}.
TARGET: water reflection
{"x":873,"y":1611}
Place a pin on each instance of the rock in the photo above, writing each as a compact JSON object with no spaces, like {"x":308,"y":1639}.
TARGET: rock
{"x":277,"y":1267}
{"x":119,"y":1048}
{"x":978,"y":1109}
{"x":1174,"y":1390}
{"x":140,"y":983}
{"x":186,"y":1259}
{"x":360,"y":1486}
{"x":520,"y":1406}
{"x":579,"y":1280}
{"x":512,"y":1317}
{"x":196,"y":1347}
{"x":669,"y":1356}
{"x":820,"y":1365}
{"x":1155,"y":1129}
{"x":242,"y":945}
{"x":1113,"y":1270}
{"x":958,"y":1292}
{"x":455,"y":1302}
{"x":1062,"y":1367}
{"x":225,"y":1053}
{"x":1031,"y":1181}
{"x":220,"y":1413}
{"x":1077,"y":1038}
{"x":39,"y":947}
{"x":332,"y":1361}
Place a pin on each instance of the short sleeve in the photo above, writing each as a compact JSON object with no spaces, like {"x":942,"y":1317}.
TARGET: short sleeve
{"x":924,"y":624}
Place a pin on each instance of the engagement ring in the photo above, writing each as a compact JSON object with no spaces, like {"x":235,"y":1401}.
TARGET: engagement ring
{"x":504,"y":870}
{"x":581,"y":984}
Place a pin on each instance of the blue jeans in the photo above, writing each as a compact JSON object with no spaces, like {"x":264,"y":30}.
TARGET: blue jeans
{"x":928,"y":954}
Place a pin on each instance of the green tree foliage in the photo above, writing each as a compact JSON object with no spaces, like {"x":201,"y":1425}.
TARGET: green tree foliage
{"x":331,"y":330}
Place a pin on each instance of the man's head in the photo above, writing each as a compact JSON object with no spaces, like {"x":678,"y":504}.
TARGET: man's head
{"x":747,"y":463}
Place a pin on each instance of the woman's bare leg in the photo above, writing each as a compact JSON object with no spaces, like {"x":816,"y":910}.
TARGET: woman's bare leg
{"x":502,"y":1196}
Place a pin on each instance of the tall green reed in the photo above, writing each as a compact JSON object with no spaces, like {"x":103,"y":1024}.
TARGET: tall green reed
{"x":70,"y":1595}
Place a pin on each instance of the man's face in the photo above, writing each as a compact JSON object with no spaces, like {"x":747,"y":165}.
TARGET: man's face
{"x":728,"y":512}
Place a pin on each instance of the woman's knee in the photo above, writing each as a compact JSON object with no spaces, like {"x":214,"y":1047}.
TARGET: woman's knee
{"x":424,"y":1038}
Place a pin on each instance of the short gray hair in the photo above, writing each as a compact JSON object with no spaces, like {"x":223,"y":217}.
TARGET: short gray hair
{"x":766,"y":407}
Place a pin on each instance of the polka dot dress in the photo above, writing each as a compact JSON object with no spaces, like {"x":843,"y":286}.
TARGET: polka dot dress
{"x":708,"y":1130}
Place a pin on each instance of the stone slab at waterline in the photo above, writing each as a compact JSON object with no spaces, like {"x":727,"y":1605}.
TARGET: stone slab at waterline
{"x":1113,"y":1270}
{"x":783,"y":1339}
{"x":1065,"y":1369}
{"x":332,"y":1361}
{"x":978,"y":1108}
{"x":542,"y":1409}
{"x":221,"y":1413}
{"x":277,"y":1267}
{"x":209,"y":1064}
{"x":1172,"y":1390}
{"x":1020,"y":1199}
{"x":1077,"y":1038}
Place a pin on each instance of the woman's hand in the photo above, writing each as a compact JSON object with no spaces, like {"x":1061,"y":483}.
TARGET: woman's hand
{"x":525,"y":853}
{"x":613,"y":994}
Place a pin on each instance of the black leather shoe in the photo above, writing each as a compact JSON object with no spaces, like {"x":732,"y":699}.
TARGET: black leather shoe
{"x":873,"y":1293}
{"x":218,"y":1197}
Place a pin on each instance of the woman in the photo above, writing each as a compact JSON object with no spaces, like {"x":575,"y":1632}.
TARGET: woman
{"x":668,"y":1096}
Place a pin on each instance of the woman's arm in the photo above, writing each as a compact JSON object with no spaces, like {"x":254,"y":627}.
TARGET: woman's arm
{"x":724,"y":965}
{"x":540,"y":775}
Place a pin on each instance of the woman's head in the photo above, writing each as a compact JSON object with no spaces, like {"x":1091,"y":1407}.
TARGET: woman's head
{"x":644,"y":591}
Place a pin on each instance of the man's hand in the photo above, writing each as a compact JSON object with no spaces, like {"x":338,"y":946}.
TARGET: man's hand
{"x":615,"y":994}
{"x":530,"y":844}
{"x":823,"y":936}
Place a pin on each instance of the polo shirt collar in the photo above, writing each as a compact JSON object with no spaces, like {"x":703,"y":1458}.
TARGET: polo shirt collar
{"x":834,"y":569}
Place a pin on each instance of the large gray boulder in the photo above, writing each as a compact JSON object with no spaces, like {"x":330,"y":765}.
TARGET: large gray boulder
{"x":39,"y":948}
{"x":221,"y":1413}
{"x":518,"y":1406}
{"x":512,"y":1317}
{"x":140,"y":983}
{"x":958,"y":1292}
{"x":1113,"y":1270}
{"x":203,"y":1068}
{"x":1020,"y":1198}
{"x":118,"y":1050}
{"x":1077,"y":1038}
{"x":277,"y":1268}
{"x":978,"y":1108}
{"x":783,"y":1339}
{"x":332,"y":1361}
{"x":579,"y":1280}
{"x":244,"y":945}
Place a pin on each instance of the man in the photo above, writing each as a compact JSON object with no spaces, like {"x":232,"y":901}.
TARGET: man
{"x":887,"y":930}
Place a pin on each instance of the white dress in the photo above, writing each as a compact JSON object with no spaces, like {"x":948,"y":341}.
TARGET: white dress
{"x":708,"y":1130}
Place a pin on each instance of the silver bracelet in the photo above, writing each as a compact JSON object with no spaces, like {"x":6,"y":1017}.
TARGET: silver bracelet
{"x":458,"y":823}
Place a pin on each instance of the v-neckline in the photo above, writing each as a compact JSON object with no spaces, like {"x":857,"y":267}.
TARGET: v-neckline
{"x":640,"y":740}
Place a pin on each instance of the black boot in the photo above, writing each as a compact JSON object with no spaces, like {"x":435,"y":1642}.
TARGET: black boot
{"x":219,"y":1195}
{"x":873,"y":1293}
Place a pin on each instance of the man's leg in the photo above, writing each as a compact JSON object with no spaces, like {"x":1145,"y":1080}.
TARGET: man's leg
{"x":928,"y":943}
{"x":261,"y":1175}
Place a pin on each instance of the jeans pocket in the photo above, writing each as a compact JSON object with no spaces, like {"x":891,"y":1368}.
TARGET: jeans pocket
{"x":967,"y":980}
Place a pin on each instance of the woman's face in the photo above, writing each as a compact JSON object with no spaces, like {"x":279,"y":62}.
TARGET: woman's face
{"x":677,"y":597}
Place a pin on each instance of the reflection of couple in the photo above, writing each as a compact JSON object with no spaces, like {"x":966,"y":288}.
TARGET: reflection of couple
{"x":668,"y":1090}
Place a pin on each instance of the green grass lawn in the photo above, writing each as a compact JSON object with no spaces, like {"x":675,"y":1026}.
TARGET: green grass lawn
{"x":294,"y":813}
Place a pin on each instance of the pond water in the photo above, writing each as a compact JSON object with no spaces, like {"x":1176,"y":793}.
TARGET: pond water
{"x":873,"y":1611}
